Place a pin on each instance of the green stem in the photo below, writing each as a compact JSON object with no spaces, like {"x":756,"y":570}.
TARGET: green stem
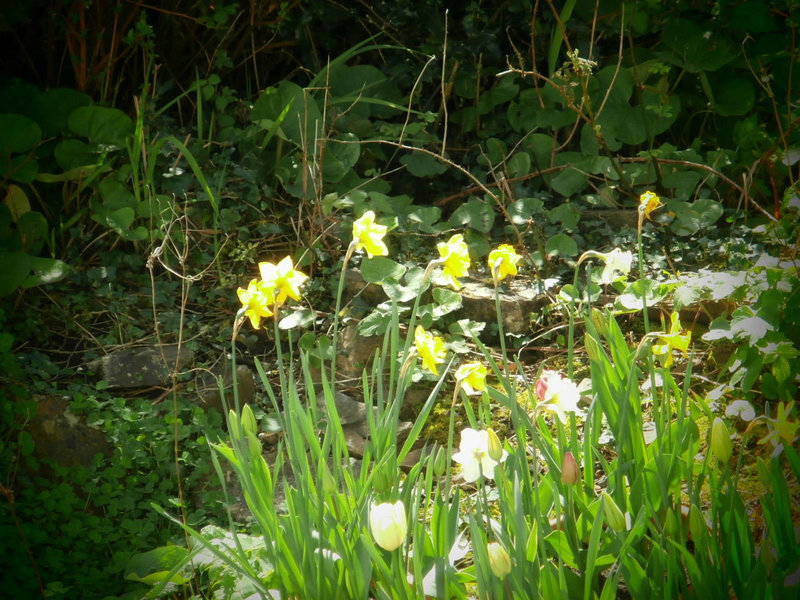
{"x":501,"y":333}
{"x":642,"y":280}
{"x":340,"y":289}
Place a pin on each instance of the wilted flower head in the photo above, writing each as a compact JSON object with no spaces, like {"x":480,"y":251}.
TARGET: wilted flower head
{"x":557,"y":395}
{"x":473,"y":455}
{"x":674,"y":340}
{"x":499,"y":560}
{"x":503,"y":262}
{"x":283,"y":279}
{"x":369,"y":235}
{"x":472,"y":377}
{"x":255,"y":303}
{"x":430,"y":348}
{"x":618,"y":263}
{"x":387,"y":522}
{"x":648,"y":202}
{"x":455,"y":256}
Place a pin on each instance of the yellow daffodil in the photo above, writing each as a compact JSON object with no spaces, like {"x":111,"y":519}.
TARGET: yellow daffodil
{"x":782,"y":430}
{"x":255,"y":302}
{"x":283,"y":279}
{"x":674,"y":340}
{"x":455,"y":256}
{"x":503,"y":262}
{"x":648,"y":202}
{"x":388,"y":524}
{"x":369,"y":235}
{"x":430,"y":348}
{"x":499,"y":560}
{"x":474,"y":455}
{"x":472,"y":377}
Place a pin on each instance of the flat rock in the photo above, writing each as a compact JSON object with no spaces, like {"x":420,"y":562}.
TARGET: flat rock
{"x":141,"y":366}
{"x":518,"y":299}
{"x":63,"y":437}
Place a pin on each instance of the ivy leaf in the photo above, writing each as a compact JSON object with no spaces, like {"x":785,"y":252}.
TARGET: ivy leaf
{"x":562,"y":245}
{"x":379,"y":268}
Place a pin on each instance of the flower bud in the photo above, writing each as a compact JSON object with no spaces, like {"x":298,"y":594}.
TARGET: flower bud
{"x":499,"y":560}
{"x":249,"y":420}
{"x":388,"y":524}
{"x":570,"y":474}
{"x":440,"y":461}
{"x":721,"y":445}
{"x":599,"y":321}
{"x":698,"y":526}
{"x":495,"y":449}
{"x":614,"y":516}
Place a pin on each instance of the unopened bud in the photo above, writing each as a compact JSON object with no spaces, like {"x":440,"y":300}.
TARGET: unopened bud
{"x":495,"y":449}
{"x":570,"y":474}
{"x":698,"y":526}
{"x":599,"y":321}
{"x":721,"y":445}
{"x":614,"y":516}
{"x":439,"y":461}
{"x":499,"y":560}
{"x":249,"y":420}
{"x":593,"y":347}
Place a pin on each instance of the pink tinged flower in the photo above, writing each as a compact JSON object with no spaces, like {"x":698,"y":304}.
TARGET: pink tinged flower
{"x":369,"y":235}
{"x":455,"y":256}
{"x":255,"y":302}
{"x":283,"y":278}
{"x":472,"y":377}
{"x":474,"y":455}
{"x":388,"y":524}
{"x":570,"y":473}
{"x":558,"y":395}
{"x":503,"y":262}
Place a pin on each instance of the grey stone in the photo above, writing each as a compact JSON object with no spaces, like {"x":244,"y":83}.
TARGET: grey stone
{"x":518,"y":299}
{"x":146,"y":366}
{"x":208,"y":392}
{"x":63,"y":437}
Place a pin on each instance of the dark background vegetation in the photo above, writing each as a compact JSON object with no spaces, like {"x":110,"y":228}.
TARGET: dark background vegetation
{"x":702,"y":108}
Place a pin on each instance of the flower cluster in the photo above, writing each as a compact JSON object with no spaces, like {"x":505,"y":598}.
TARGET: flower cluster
{"x":278,"y":282}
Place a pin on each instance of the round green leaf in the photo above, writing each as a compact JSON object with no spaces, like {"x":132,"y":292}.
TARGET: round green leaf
{"x":20,"y":133}
{"x":52,"y":108}
{"x":109,"y":126}
{"x":340,"y":158}
{"x":422,"y":165}
{"x":562,"y":245}
{"x":734,"y":96}
{"x":380,"y":268}
{"x":15,"y":267}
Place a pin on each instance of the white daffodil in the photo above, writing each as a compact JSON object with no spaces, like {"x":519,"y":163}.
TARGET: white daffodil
{"x":474,"y":457}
